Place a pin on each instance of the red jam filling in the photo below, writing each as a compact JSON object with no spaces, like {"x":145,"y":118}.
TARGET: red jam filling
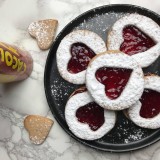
{"x":114,"y":79}
{"x":81,"y":56}
{"x":80,"y":90}
{"x":92,"y":114}
{"x":135,"y":41}
{"x":150,"y":103}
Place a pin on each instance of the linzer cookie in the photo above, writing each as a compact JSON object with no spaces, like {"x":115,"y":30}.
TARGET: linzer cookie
{"x":146,"y":112}
{"x":137,"y":36}
{"x":115,"y":80}
{"x":85,"y":118}
{"x":15,"y":64}
{"x":38,"y":128}
{"x":79,"y":90}
{"x":44,"y":32}
{"x":75,"y":52}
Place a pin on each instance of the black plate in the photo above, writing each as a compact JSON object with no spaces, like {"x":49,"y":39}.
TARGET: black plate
{"x":125,"y":136}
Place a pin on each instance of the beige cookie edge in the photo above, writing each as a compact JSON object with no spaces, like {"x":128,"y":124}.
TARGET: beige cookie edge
{"x":32,"y":32}
{"x":36,"y":140}
{"x":45,"y":46}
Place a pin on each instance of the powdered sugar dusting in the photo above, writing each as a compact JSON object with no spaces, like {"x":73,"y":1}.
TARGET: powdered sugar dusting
{"x":100,"y":24}
{"x":59,"y":89}
{"x":132,"y":136}
{"x":82,"y":130}
{"x":138,"y":135}
{"x":124,"y":131}
{"x":133,"y":89}
{"x":151,"y":82}
{"x":91,"y":39}
{"x":43,"y":31}
{"x":147,"y":25}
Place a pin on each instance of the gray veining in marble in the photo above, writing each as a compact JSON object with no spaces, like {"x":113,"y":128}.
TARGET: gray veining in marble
{"x":15,"y":99}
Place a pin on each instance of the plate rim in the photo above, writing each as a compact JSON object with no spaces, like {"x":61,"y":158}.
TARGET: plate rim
{"x":156,"y":133}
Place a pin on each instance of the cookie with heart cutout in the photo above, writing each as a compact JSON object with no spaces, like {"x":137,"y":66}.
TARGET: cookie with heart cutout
{"x":79,"y":90}
{"x":115,"y":80}
{"x":86,"y":119}
{"x":137,"y":36}
{"x":146,"y":112}
{"x":75,"y":52}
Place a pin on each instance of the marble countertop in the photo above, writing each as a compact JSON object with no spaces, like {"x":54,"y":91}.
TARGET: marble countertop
{"x":15,"y":99}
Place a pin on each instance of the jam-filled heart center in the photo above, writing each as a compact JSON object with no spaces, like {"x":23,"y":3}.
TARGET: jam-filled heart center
{"x":114,"y":79}
{"x":81,"y":56}
{"x":91,"y":114}
{"x":150,"y":104}
{"x":135,"y":41}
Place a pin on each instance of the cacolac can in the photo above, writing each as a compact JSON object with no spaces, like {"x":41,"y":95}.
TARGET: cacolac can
{"x":15,"y":64}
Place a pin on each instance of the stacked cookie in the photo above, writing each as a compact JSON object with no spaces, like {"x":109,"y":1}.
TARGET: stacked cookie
{"x":113,"y":76}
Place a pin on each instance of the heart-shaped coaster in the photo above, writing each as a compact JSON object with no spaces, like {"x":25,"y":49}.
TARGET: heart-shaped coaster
{"x":135,"y":41}
{"x":86,"y":119}
{"x":114,"y":79}
{"x":137,"y":36}
{"x":38,"y":128}
{"x":75,"y":52}
{"x":146,"y":112}
{"x":91,"y":114}
{"x":81,"y":56}
{"x":44,"y":31}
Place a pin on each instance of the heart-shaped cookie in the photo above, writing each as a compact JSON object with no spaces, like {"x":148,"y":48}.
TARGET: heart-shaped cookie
{"x":114,"y":79}
{"x":38,"y":128}
{"x":135,"y":41}
{"x":44,"y":32}
{"x":81,"y":56}
{"x":91,"y":114}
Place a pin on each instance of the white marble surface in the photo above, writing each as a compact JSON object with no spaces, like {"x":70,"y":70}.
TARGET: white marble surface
{"x":28,"y":97}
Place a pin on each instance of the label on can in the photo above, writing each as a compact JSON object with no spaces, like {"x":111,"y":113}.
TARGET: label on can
{"x":15,"y":64}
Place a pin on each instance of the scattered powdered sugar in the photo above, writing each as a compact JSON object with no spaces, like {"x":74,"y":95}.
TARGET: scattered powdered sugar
{"x":91,"y":39}
{"x":133,"y":89}
{"x":100,"y":23}
{"x":36,"y":139}
{"x":59,"y":89}
{"x":38,"y":29}
{"x":134,"y":137}
{"x":151,"y":82}
{"x":125,"y":132}
{"x":147,"y":25}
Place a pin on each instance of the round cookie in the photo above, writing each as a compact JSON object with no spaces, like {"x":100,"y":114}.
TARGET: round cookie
{"x":74,"y":53}
{"x":138,"y":36}
{"x":85,"y":118}
{"x":115,"y":80}
{"x":145,"y":113}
